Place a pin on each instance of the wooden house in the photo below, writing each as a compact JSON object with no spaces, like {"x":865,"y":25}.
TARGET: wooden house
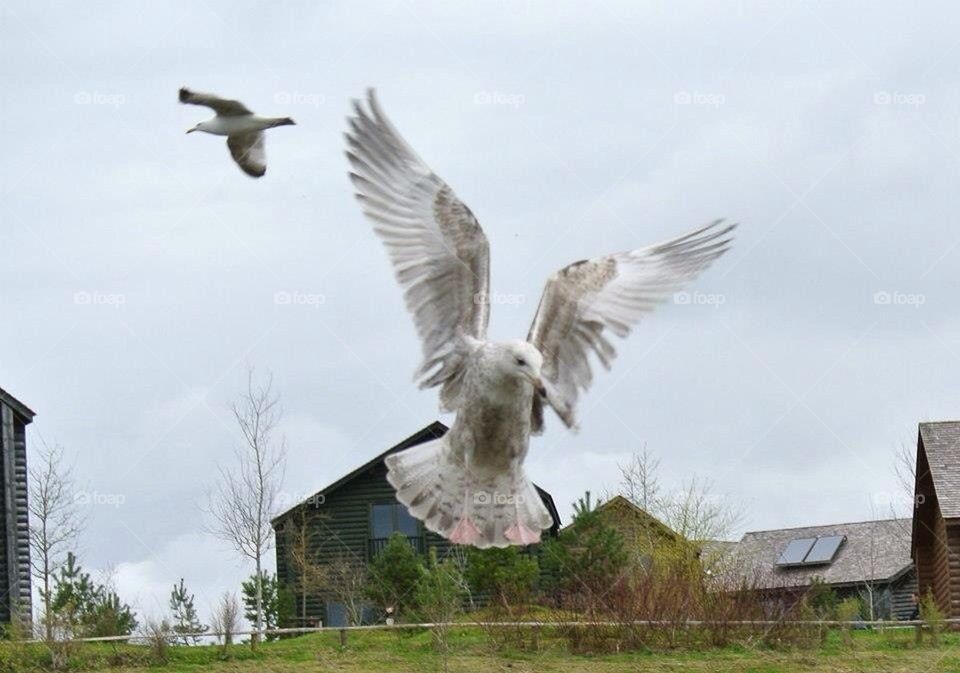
{"x":867,"y":559}
{"x":15,"y":547}
{"x":936,"y":522}
{"x":350,"y":521}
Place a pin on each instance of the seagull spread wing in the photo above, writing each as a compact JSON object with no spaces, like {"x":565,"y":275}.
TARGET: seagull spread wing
{"x":438,"y":249}
{"x":222,"y":106}
{"x":587,"y":298}
{"x":249,"y":153}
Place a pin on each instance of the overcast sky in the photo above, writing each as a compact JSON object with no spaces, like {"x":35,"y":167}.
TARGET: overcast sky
{"x":140,"y":269}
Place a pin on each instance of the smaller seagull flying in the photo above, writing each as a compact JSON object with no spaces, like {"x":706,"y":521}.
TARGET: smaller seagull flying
{"x":244,"y":129}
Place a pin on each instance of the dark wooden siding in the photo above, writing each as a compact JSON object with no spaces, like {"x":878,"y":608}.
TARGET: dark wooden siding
{"x":15,"y":553}
{"x":338,"y":523}
{"x":340,"y":526}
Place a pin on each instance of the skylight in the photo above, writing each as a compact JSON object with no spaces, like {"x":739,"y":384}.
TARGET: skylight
{"x":806,"y":551}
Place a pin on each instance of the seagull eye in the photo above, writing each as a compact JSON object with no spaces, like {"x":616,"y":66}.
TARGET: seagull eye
{"x":521,"y":362}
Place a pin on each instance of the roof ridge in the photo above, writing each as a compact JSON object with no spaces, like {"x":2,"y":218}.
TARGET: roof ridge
{"x":828,"y":525}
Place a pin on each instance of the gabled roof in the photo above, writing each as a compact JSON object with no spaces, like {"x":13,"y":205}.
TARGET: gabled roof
{"x":18,"y":407}
{"x":873,"y":551}
{"x":941,"y":443}
{"x":435,"y":430}
{"x":619,"y":503}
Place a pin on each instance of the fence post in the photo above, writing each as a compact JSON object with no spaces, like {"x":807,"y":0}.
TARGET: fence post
{"x":343,"y":638}
{"x":918,"y":633}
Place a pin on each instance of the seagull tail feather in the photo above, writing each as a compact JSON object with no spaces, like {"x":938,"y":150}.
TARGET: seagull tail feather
{"x":492,"y":510}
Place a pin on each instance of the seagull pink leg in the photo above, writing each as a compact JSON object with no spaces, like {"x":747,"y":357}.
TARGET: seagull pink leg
{"x":520,"y":534}
{"x":465,"y":532}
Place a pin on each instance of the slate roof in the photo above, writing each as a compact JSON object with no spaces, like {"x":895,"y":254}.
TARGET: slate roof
{"x":941,"y":442}
{"x":873,"y":551}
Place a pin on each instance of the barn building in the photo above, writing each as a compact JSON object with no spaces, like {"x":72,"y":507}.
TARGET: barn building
{"x":350,"y":521}
{"x":936,"y":520}
{"x":15,"y":549}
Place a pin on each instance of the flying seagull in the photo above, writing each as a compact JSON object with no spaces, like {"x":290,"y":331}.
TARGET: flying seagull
{"x":470,"y":486}
{"x":244,"y":129}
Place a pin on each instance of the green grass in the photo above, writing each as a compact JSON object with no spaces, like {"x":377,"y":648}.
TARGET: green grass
{"x":471,"y":652}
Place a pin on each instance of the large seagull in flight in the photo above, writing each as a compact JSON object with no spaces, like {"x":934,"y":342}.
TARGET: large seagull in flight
{"x":469,"y":486}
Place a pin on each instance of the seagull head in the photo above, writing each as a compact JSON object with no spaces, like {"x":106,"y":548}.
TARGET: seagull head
{"x":520,"y":359}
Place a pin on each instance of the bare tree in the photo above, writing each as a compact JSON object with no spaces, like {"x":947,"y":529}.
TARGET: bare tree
{"x":55,"y":522}
{"x":697,"y":514}
{"x":309,"y":574}
{"x":245,"y":497}
{"x":347,"y":583}
{"x":639,"y":480}
{"x":694,"y":511}
{"x":226,"y":618}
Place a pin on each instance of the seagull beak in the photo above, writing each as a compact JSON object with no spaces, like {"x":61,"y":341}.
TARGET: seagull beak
{"x":538,"y":385}
{"x":191,"y":130}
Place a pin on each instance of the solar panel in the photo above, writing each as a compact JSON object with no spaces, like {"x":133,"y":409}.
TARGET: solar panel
{"x":824,"y":549}
{"x":796,"y":551}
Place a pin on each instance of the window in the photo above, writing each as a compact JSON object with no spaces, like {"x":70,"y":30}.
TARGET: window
{"x":392,"y":518}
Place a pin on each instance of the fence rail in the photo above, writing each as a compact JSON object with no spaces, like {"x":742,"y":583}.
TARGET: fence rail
{"x":650,"y":623}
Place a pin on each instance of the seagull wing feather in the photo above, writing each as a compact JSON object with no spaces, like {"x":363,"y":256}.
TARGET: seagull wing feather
{"x":440,"y":254}
{"x":586,"y":300}
{"x":248,"y":151}
{"x":224,"y":107}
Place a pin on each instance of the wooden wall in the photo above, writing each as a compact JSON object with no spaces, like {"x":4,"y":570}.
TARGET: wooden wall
{"x":15,"y":552}
{"x":936,"y":543}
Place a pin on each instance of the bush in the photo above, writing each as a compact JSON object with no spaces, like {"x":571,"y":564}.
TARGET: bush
{"x":587,"y":559}
{"x":439,"y":595}
{"x":507,"y":576}
{"x":393,"y":576}
{"x":931,"y":614}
